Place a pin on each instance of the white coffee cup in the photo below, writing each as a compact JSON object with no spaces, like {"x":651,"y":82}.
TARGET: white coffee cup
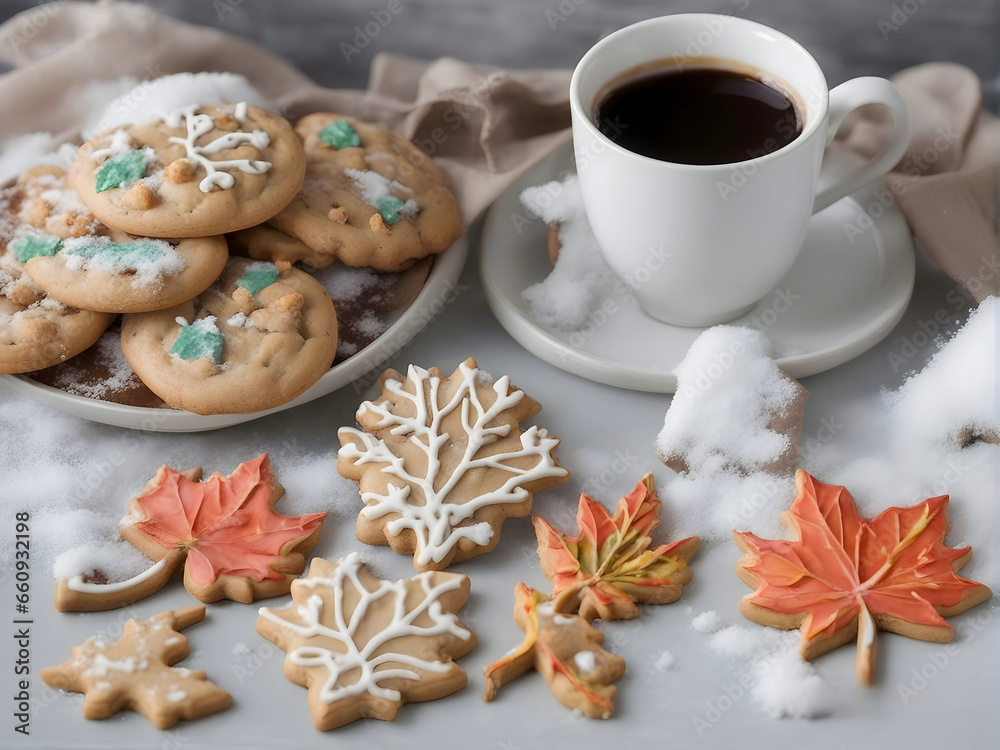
{"x":700,"y":244}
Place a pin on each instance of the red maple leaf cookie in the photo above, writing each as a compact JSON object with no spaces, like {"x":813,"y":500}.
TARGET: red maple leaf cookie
{"x":844,"y":576}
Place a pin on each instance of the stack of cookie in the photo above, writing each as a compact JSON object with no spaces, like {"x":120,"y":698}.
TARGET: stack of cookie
{"x":146,"y":219}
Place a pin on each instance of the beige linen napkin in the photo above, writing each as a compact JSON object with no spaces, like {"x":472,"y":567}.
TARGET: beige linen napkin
{"x":483,"y":126}
{"x":946,"y":183}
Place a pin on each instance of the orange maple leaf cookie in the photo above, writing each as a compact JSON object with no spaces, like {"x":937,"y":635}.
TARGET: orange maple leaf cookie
{"x":844,"y":576}
{"x":136,"y":672}
{"x":235,"y":545}
{"x":363,"y":646}
{"x":442,"y":462}
{"x":566,"y":650}
{"x":609,"y":566}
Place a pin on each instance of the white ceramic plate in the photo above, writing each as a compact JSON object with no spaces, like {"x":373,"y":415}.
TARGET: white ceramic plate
{"x":845,"y":292}
{"x":436,"y":290}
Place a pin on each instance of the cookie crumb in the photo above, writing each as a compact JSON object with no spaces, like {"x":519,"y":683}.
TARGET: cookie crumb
{"x":138,"y":198}
{"x":377,"y":224}
{"x":338,"y":214}
{"x":291,"y":302}
{"x":283,"y":266}
{"x":226,"y":121}
{"x":244,"y":300}
{"x":38,"y":212}
{"x":78,"y":224}
{"x":179,"y":171}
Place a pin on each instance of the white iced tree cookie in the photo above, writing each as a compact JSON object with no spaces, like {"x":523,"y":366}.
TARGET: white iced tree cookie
{"x":442,"y":462}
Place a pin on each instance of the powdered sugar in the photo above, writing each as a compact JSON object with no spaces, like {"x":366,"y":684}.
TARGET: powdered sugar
{"x":706,"y":622}
{"x":373,"y":187}
{"x":777,"y":678}
{"x":153,"y":100}
{"x":119,"y":378}
{"x":148,"y":261}
{"x":566,"y":296}
{"x":665,"y":661}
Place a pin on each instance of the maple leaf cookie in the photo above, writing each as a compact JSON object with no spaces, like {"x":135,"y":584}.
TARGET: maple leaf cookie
{"x":610,"y":566}
{"x":196,"y":172}
{"x":844,"y":577}
{"x":566,"y":650}
{"x":136,"y":672}
{"x":36,"y":329}
{"x":256,"y":339}
{"x":442,"y":462}
{"x":223,"y":530}
{"x":363,"y":647}
{"x":370,"y":198}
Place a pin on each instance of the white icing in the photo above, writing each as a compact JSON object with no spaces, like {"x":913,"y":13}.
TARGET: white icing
{"x":199,"y":125}
{"x":76,"y":582}
{"x":867,"y":628}
{"x":437,"y":524}
{"x":562,"y":620}
{"x":181,"y":320}
{"x":176,"y":695}
{"x":100,"y":665}
{"x":585,"y":661}
{"x":102,"y":685}
{"x":121,"y":143}
{"x":364,"y":658}
{"x":171,"y":641}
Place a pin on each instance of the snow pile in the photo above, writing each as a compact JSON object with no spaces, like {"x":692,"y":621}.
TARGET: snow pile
{"x":732,"y":431}
{"x":564,"y":299}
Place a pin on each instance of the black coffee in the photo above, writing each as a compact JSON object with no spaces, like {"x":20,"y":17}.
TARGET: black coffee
{"x":697,"y":115}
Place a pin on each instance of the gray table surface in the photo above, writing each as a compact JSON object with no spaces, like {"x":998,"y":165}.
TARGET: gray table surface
{"x":846,"y":38}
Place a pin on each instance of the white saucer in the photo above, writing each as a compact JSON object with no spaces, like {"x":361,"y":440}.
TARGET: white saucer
{"x":439,"y":286}
{"x":839,"y":299}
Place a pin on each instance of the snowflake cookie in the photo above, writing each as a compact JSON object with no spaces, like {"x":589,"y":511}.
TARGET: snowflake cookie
{"x":137,"y":672}
{"x":363,"y":646}
{"x":196,"y":172}
{"x":442,"y":462}
{"x":370,"y":198}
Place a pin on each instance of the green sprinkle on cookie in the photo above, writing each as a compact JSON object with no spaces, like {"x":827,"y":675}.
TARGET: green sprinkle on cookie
{"x":119,"y":171}
{"x":35,"y":246}
{"x":340,"y":134}
{"x":258,"y":276}
{"x":199,"y":339}
{"x":125,"y":254}
{"x":389,"y":206}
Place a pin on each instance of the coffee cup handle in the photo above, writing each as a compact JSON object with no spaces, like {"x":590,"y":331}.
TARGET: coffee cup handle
{"x":844,"y":99}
